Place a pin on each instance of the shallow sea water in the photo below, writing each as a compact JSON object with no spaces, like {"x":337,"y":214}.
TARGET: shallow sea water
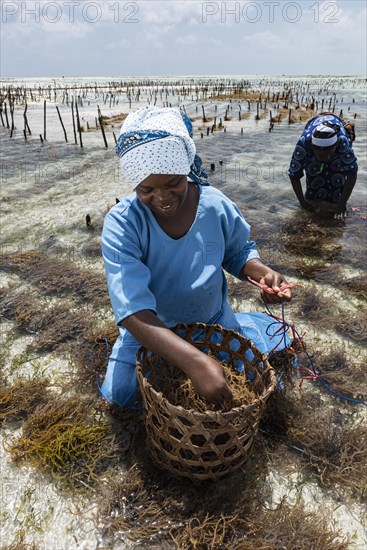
{"x":48,"y":188}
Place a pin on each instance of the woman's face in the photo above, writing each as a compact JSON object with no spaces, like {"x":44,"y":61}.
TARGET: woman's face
{"x":164,"y":194}
{"x":324,"y":154}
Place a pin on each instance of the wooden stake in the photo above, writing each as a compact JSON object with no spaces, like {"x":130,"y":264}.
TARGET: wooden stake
{"x":44,"y":120}
{"x":11,"y":107}
{"x":257,"y":117}
{"x":62,"y":124}
{"x":72,"y":115}
{"x":1,"y":113}
{"x":102,"y":126}
{"x":26,"y":126}
{"x":204,"y":117}
{"x":6,"y":115}
{"x":78,"y":124}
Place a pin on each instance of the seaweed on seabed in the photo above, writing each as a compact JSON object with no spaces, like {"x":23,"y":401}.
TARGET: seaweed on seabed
{"x":285,"y":527}
{"x":279,"y":412}
{"x":56,"y":325}
{"x":91,"y":352}
{"x":52,"y":326}
{"x":356,"y":286}
{"x":239,"y":289}
{"x":311,"y":306}
{"x":292,"y":528}
{"x":54,"y":276}
{"x":17,"y":306}
{"x":152,"y":509}
{"x":93,"y":249}
{"x":64,"y":439}
{"x":148,"y":503}
{"x":19,"y":400}
{"x":334,"y":451}
{"x":351,"y":326}
{"x":283,"y":363}
{"x":344,"y":376}
{"x":311,"y":239}
{"x":19,"y":543}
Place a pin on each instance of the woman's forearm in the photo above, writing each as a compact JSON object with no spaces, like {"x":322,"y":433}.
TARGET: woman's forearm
{"x":297,"y":188}
{"x":151,"y":333}
{"x":348,"y":188}
{"x":206,"y":373}
{"x":255,"y":269}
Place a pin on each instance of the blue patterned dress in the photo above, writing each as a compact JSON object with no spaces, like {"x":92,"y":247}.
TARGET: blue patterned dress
{"x":324,"y":180}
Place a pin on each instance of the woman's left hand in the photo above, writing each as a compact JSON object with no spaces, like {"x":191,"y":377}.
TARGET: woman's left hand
{"x":276,"y":288}
{"x":340,"y":212}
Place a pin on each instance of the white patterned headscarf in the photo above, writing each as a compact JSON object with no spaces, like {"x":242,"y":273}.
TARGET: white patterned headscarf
{"x":158,"y":141}
{"x":324,"y":136}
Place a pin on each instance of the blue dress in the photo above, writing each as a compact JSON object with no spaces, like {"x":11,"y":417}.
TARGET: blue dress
{"x":181,"y":280}
{"x":324,"y":180}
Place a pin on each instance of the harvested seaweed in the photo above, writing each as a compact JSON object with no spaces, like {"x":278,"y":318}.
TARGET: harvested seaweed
{"x":179,"y":389}
{"x":211,"y":443}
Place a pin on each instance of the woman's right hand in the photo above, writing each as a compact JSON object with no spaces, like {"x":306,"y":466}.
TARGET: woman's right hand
{"x":307,"y":206}
{"x":210,"y":382}
{"x":206,"y":373}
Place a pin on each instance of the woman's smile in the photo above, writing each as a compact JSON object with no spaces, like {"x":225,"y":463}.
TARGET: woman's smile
{"x":163,"y":194}
{"x":165,"y":208}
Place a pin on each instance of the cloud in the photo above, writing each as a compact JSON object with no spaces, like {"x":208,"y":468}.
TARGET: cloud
{"x":266,"y":40}
{"x":186,"y":40}
{"x":117,"y":45}
{"x":173,"y":13}
{"x":327,"y":36}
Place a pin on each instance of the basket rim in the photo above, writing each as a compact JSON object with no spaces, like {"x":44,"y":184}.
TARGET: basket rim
{"x":204,"y":415}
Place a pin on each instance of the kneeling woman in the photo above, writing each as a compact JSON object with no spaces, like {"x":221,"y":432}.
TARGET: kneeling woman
{"x":165,"y":247}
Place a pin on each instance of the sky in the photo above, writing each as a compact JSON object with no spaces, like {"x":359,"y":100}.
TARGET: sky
{"x":182,"y":37}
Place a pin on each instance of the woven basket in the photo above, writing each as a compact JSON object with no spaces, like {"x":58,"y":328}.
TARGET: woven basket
{"x":205,"y":445}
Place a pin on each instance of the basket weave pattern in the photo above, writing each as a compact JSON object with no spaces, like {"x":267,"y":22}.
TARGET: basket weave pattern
{"x":205,"y":445}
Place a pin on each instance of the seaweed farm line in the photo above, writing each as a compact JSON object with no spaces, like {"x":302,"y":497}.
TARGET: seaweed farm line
{"x":72,"y":476}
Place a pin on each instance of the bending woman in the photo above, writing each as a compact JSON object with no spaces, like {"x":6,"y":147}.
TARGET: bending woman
{"x":165,"y":249}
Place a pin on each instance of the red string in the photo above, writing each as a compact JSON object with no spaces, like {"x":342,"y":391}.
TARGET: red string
{"x":266,"y":288}
{"x":312,"y":375}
